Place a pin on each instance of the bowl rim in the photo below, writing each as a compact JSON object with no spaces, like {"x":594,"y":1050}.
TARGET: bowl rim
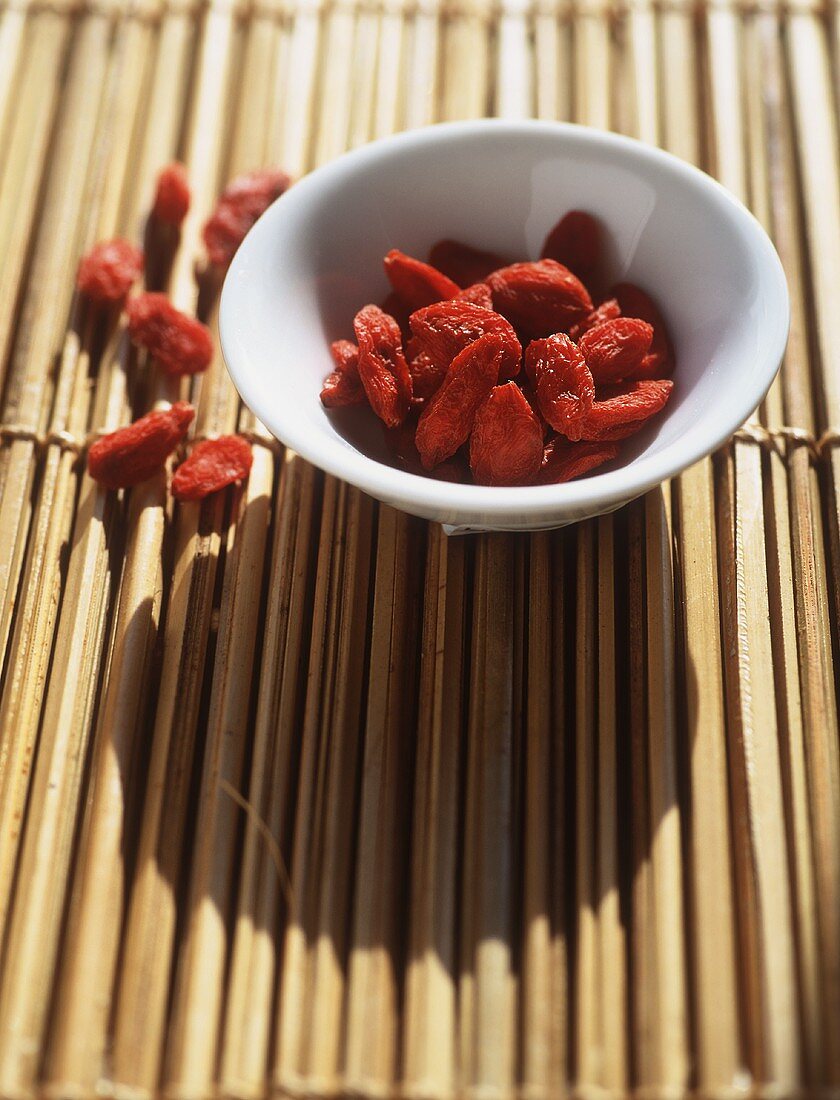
{"x":480,"y":503}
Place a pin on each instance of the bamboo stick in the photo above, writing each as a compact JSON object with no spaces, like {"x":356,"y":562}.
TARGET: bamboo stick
{"x":560,"y":825}
{"x":139,"y":1025}
{"x":36,"y":918}
{"x":12,"y":23}
{"x":588,"y":1048}
{"x":713,"y":947}
{"x":752,"y":706}
{"x":816,"y":141}
{"x":48,"y":295}
{"x":43,"y":44}
{"x":77,"y":1045}
{"x":465,"y":62}
{"x":430,"y":997}
{"x":248,"y":1022}
{"x":537,"y":1007}
{"x":487,"y":1012}
{"x":377,"y":946}
{"x":197,"y":1006}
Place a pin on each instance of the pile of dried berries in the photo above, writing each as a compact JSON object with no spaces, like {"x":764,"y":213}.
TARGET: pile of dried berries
{"x":501,"y":373}
{"x":179,"y":344}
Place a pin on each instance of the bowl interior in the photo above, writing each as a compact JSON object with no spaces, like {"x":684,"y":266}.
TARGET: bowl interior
{"x":316,"y":257}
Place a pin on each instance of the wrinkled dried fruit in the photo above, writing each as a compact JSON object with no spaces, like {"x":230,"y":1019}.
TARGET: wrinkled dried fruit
{"x":622,"y":410}
{"x":426,"y":375}
{"x":564,"y":461}
{"x":444,"y":329}
{"x":635,"y":302}
{"x":341,"y":389}
{"x":172,"y":196}
{"x":240,"y":204}
{"x":479,"y":294}
{"x":462,"y":263}
{"x":137,"y":452}
{"x":212,"y":465}
{"x":576,"y":242}
{"x":416,"y":283}
{"x":565,"y":389}
{"x":606,"y":311}
{"x":382,"y":366}
{"x":529,"y":392}
{"x":179,"y":344}
{"x":614,"y":349}
{"x":448,"y":419}
{"x":506,"y":444}
{"x":345,"y":355}
{"x":107,"y":272}
{"x":539,"y":298}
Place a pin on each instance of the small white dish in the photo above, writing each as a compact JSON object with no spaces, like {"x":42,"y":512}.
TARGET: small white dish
{"x":315,"y":258}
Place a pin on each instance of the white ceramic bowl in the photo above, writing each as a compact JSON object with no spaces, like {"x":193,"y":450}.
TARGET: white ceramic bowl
{"x":315,"y":258}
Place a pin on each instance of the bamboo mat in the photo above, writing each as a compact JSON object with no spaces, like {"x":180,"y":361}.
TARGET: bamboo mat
{"x":298,"y":796}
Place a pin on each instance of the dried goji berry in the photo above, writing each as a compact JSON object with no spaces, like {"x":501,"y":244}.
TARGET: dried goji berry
{"x":462,"y":263}
{"x":529,"y":392}
{"x":341,"y":389}
{"x":213,"y":464}
{"x":564,"y":461}
{"x":479,"y":294}
{"x":576,"y":242}
{"x":539,"y":298}
{"x":382,"y":366}
{"x":635,"y":302}
{"x":606,"y":311}
{"x":426,"y":375}
{"x":240,"y":204}
{"x":179,"y":344}
{"x":565,"y":389}
{"x":614,"y":349}
{"x":343,"y":386}
{"x":139,"y":451}
{"x":447,"y":420}
{"x":506,"y":444}
{"x":107,"y":272}
{"x":172,"y":196}
{"x":444,"y":329}
{"x":418,"y":284}
{"x":622,"y":410}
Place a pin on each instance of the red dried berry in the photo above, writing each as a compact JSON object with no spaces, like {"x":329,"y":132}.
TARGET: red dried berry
{"x":564,"y":461}
{"x":107,"y":272}
{"x":614,"y":349}
{"x":539,"y":298}
{"x":462,"y":263}
{"x":606,"y":311}
{"x":340,"y":390}
{"x":213,"y":464}
{"x":635,"y":302}
{"x":382,"y":366}
{"x":447,"y":420}
{"x":416,"y":283}
{"x":137,"y":452}
{"x":426,"y":375}
{"x":241,"y":203}
{"x":565,"y":389}
{"x":172,"y":196}
{"x":444,"y":329}
{"x":479,"y":294}
{"x":622,"y":410}
{"x":529,"y":392}
{"x":576,"y":242}
{"x":179,"y":344}
{"x":506,"y":444}
{"x":345,"y":355}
